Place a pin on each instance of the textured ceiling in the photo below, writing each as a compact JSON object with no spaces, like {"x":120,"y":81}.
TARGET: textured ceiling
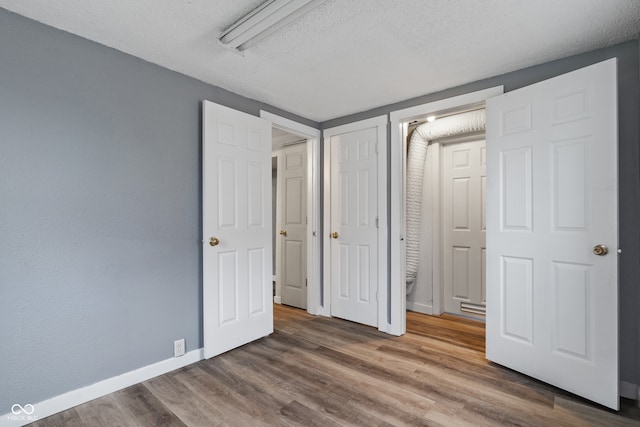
{"x":346,"y":56}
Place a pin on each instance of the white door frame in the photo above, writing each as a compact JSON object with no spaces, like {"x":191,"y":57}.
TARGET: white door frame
{"x":381,"y":123}
{"x":399,"y":120}
{"x":314,"y":288}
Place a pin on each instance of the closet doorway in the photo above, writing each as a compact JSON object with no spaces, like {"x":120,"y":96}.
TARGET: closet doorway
{"x":418,"y":281}
{"x":445,"y":213}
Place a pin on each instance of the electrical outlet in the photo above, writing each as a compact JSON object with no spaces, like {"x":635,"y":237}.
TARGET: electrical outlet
{"x":178,"y":348}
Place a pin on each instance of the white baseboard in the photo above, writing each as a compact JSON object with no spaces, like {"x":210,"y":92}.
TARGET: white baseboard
{"x":420,"y":308}
{"x":277,"y":300}
{"x":629,"y":390}
{"x":85,"y":394}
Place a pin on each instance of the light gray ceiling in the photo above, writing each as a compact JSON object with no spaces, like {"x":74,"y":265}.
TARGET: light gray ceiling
{"x":346,"y":56}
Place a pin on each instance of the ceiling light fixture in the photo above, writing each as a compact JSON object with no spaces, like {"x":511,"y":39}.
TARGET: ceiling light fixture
{"x":264,"y":20}
{"x":431,"y":118}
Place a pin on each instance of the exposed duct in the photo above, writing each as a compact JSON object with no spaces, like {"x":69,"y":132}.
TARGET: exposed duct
{"x":422,"y":136}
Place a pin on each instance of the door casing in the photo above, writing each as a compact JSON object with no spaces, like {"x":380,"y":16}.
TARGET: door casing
{"x":398,"y":148}
{"x":314,"y":284}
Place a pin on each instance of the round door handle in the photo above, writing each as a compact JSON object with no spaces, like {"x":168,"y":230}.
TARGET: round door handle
{"x":600,"y":250}
{"x":334,"y":235}
{"x":283,"y":232}
{"x":214,"y":241}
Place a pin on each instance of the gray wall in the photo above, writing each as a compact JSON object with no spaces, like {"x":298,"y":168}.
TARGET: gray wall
{"x":629,"y":169}
{"x":100,"y":210}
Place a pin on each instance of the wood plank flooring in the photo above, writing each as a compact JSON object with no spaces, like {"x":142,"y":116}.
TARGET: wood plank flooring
{"x":316,"y":371}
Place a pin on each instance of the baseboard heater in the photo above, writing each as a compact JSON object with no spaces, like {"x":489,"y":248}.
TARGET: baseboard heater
{"x":467,"y":307}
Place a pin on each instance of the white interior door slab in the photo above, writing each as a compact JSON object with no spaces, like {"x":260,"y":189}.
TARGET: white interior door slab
{"x":552,"y":198}
{"x":293,"y":225}
{"x":464,"y":229}
{"x":237,"y":241}
{"x":353,"y":225}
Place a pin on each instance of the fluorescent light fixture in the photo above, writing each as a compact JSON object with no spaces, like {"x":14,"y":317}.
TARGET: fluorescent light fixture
{"x":264,"y":20}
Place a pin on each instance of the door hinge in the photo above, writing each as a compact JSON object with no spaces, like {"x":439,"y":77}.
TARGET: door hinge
{"x":306,"y":283}
{"x":377,"y":223}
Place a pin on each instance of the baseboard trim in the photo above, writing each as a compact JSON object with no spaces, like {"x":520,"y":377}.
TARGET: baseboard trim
{"x":277,"y":300}
{"x":629,"y":390}
{"x":420,"y":308}
{"x":82,"y":395}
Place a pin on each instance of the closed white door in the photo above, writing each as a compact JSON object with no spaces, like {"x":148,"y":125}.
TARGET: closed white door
{"x":237,"y":242}
{"x":464,"y":232}
{"x":552,"y":289}
{"x":353,"y":225}
{"x":293,"y":225}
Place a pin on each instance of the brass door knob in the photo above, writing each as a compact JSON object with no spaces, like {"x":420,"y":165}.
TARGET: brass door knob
{"x":214,"y":241}
{"x":334,"y":235}
{"x":283,"y":232}
{"x":600,"y":250}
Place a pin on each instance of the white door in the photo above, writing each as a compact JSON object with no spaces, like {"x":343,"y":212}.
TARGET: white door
{"x":353,"y":225}
{"x":293,"y":225}
{"x":236,"y":224}
{"x":552,"y":301}
{"x":464,"y":231}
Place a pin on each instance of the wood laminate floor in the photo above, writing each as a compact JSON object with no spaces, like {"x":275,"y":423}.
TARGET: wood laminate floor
{"x":316,"y":371}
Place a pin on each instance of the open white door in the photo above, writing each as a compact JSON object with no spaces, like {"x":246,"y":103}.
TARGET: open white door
{"x":236,"y":204}
{"x":552,"y":290}
{"x":292,"y":238}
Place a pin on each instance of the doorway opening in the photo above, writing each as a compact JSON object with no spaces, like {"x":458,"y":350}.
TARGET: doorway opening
{"x":445,"y":172}
{"x":439,"y":134}
{"x":289,"y":183}
{"x":295,"y":214}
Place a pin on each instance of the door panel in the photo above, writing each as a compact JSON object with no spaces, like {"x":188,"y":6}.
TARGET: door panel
{"x":353,"y":211}
{"x":236,"y":211}
{"x":293,"y":243}
{"x":464,"y":240}
{"x":552,"y":301}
